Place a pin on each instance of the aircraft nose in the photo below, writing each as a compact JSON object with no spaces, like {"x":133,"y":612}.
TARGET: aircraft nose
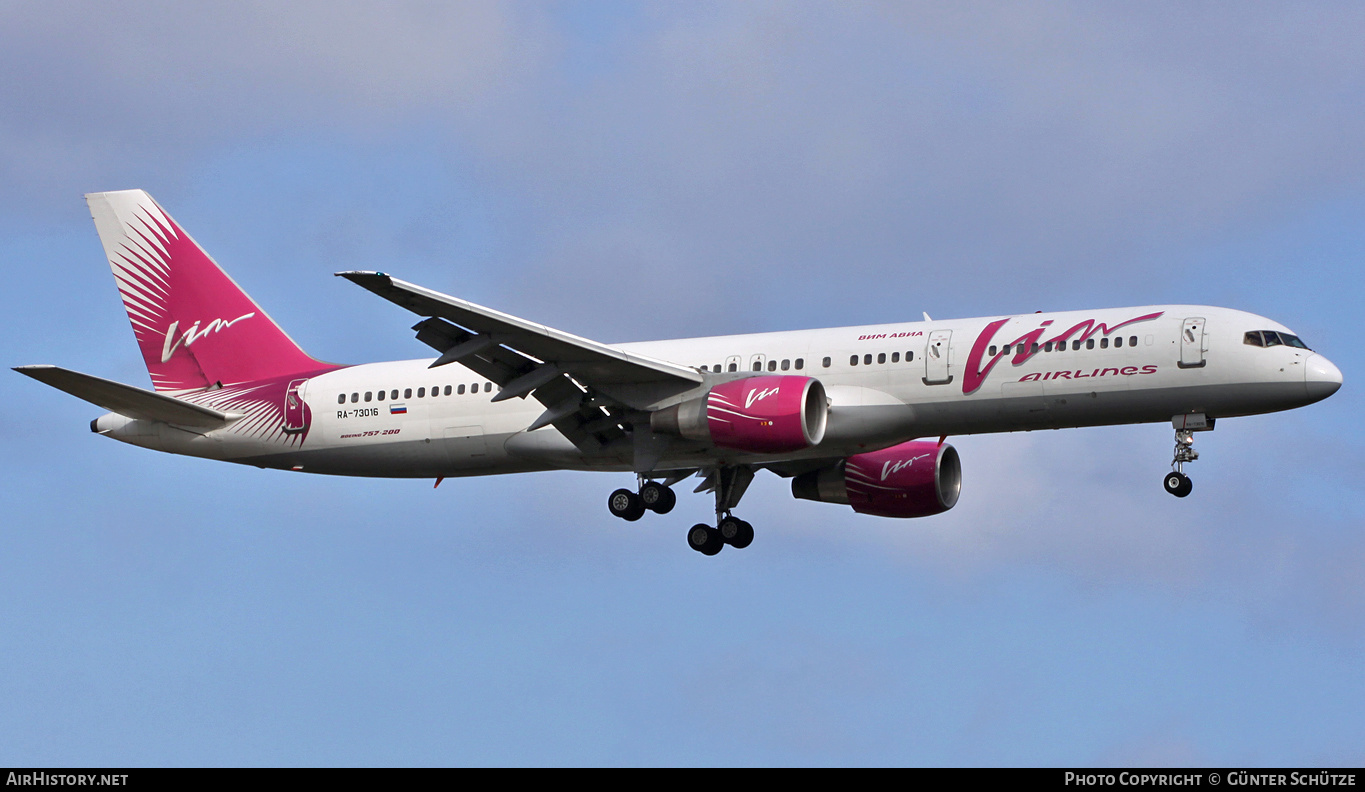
{"x":1321,"y":377}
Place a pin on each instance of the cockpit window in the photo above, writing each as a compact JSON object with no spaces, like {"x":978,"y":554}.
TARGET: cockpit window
{"x":1270,"y":338}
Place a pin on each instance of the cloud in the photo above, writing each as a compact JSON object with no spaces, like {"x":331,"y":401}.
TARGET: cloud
{"x":1004,"y":152}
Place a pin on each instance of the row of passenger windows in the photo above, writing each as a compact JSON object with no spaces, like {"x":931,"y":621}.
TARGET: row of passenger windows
{"x":895,"y":357}
{"x":798,"y":364}
{"x":1270,"y":338}
{"x":773,"y":365}
{"x":457,"y":390}
{"x":881,"y":358}
{"x":1060,"y":346}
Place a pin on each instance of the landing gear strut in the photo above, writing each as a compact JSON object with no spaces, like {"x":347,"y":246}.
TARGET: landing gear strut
{"x":1176,"y":482}
{"x":729,"y":484}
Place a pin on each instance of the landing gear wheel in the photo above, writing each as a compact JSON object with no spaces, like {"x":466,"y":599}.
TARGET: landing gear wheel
{"x":657,"y":498}
{"x":736,"y":532}
{"x":705,"y":539}
{"x":625,"y":504}
{"x":1178,"y":484}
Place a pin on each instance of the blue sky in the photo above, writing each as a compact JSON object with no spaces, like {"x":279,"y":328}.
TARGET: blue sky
{"x":633,"y":171}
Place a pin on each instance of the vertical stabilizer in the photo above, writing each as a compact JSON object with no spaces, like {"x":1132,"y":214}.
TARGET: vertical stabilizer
{"x":195,"y":326}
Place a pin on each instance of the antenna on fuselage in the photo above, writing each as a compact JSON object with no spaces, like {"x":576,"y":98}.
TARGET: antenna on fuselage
{"x":926,"y":317}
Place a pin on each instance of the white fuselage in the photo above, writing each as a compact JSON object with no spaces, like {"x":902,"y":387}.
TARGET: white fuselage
{"x":885,"y":384}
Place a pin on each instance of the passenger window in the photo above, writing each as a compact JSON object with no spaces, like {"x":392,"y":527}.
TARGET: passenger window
{"x":1132,"y":340}
{"x":1104,"y":343}
{"x":772,"y":365}
{"x":1035,"y":349}
{"x":895,"y":357}
{"x":826,"y":363}
{"x":341,"y":399}
{"x":1089,"y":343}
{"x":991,"y":351}
{"x":393,"y":395}
{"x":758,"y":365}
{"x":800,"y":363}
{"x":1075,"y":346}
{"x":853,"y":360}
{"x":421,"y":393}
{"x":368,"y":394}
{"x":1118,"y":342}
{"x":786,"y":364}
{"x":460,"y":390}
{"x":407,"y":393}
{"x":488,"y":387}
{"x":355,"y":397}
{"x":881,"y":357}
{"x":447,"y":390}
{"x":909,"y":356}
{"x":867,"y":360}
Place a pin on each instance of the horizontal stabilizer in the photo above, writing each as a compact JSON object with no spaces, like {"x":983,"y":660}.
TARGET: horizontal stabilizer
{"x":126,"y":399}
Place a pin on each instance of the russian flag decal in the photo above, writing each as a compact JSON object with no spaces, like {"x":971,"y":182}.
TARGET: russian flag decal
{"x":398,"y":409}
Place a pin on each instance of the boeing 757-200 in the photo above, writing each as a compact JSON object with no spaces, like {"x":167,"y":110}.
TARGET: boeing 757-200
{"x":851,"y":415}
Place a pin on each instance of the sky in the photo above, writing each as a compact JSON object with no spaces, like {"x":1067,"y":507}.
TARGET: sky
{"x":632,"y":171}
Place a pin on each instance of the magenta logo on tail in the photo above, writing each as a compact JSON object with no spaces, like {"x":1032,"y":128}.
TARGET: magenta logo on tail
{"x":194,"y":325}
{"x":194,"y":333}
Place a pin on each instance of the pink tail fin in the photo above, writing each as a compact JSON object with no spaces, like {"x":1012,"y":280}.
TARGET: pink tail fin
{"x":195,"y":326}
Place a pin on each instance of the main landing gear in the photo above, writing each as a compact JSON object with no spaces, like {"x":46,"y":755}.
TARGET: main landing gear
{"x":728,"y":483}
{"x":729,"y":530}
{"x":652,"y":496}
{"x":1176,"y":482}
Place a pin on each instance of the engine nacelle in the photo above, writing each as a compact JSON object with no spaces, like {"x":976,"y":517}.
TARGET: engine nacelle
{"x":764,"y":415}
{"x":914,"y":479}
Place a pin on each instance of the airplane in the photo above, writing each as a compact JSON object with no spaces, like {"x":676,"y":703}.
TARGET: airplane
{"x":852,"y":415}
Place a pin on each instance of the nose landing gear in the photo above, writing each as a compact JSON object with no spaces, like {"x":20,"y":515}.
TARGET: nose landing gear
{"x":1176,"y":482}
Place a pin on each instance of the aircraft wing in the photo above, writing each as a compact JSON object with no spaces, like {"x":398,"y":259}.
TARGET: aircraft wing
{"x":126,"y":399}
{"x":588,"y":388}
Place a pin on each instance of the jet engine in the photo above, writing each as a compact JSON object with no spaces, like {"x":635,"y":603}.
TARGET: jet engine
{"x":914,"y":479}
{"x":762,"y":415}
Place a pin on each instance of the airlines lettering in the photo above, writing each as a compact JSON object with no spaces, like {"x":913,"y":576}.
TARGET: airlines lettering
{"x":1030,"y":343}
{"x":1126,"y":371}
{"x":194,"y":333}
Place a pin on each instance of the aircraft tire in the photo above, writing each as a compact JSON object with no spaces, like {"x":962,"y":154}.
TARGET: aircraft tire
{"x":745,"y":536}
{"x":625,"y":504}
{"x":732,"y":531}
{"x":1178,"y":484}
{"x":658,"y":498}
{"x":705,"y":539}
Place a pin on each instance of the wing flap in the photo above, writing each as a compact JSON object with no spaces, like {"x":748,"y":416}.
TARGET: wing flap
{"x":126,"y":399}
